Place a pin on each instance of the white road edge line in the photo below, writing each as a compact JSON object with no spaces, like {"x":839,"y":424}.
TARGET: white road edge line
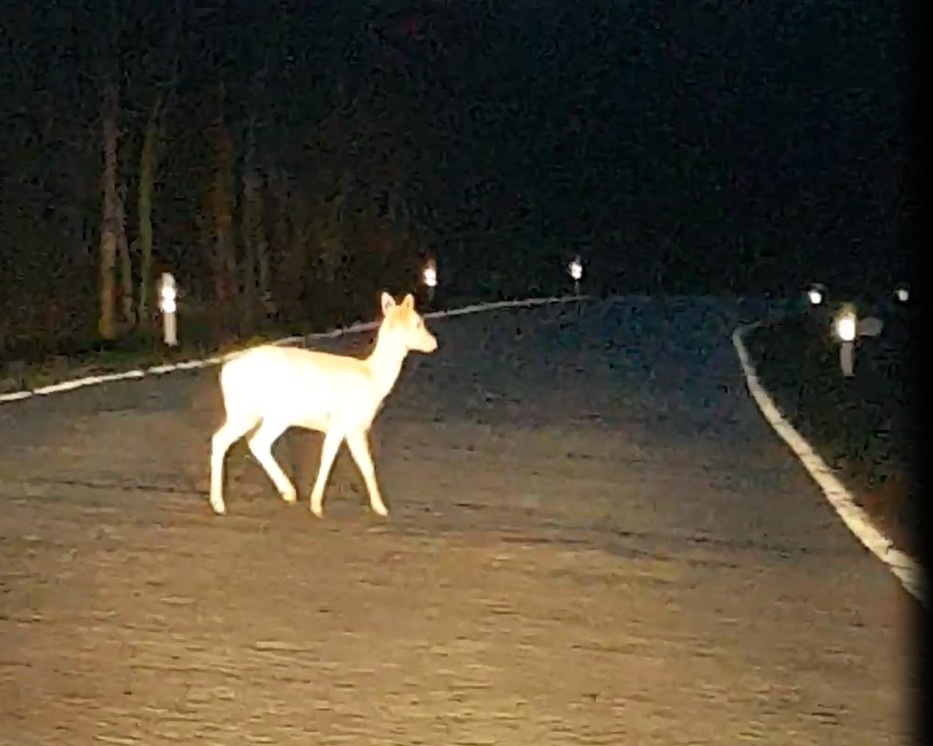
{"x":907,"y":571}
{"x":158,"y":370}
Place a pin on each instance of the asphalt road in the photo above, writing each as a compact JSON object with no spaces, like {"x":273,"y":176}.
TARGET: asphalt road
{"x":595,"y":539}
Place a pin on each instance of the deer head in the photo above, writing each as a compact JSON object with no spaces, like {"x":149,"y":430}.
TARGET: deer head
{"x":404,"y":327}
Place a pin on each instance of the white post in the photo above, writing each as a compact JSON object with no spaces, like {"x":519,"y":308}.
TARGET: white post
{"x":846,"y":359}
{"x":168,"y":306}
{"x":846,"y":327}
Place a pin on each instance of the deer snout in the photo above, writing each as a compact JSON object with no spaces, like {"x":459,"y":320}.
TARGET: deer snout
{"x":429,"y":343}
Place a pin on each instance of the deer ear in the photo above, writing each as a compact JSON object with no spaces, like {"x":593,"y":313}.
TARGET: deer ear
{"x":387,"y":302}
{"x":409,"y":302}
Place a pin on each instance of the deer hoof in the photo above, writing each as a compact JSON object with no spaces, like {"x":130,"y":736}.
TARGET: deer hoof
{"x":317,"y":510}
{"x":218,"y":507}
{"x":291,"y":497}
{"x":381,"y":510}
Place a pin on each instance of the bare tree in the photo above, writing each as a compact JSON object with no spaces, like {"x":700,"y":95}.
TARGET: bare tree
{"x":256,"y":266}
{"x":148,"y":165}
{"x":126,"y":264}
{"x":221,"y":210}
{"x":111,"y":218}
{"x":112,"y":234}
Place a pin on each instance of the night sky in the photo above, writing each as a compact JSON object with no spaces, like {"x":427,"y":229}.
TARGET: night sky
{"x":678,"y":147}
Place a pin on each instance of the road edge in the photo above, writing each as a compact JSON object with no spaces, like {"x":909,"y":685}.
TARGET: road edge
{"x":194,"y":364}
{"x":907,"y":571}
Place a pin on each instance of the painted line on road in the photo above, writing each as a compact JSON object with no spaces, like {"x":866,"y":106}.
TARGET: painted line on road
{"x":159,"y":370}
{"x":907,"y":571}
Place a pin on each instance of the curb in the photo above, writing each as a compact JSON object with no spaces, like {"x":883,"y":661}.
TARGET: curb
{"x":907,"y":571}
{"x":160,"y":370}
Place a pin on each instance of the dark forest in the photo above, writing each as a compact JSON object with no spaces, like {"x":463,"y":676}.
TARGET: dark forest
{"x":287,"y":160}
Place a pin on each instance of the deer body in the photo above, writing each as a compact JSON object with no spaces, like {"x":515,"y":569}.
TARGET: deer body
{"x":275,"y":388}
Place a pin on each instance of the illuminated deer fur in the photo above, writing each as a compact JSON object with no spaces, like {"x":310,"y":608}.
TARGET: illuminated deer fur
{"x":281,"y":387}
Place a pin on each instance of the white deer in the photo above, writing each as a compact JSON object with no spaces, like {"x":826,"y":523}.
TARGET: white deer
{"x":281,"y":387}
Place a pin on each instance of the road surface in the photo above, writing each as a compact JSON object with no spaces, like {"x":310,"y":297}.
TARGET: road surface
{"x":595,"y":539}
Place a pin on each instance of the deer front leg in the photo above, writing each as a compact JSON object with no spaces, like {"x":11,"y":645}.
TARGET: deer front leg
{"x":332,"y":440}
{"x":359,"y":448}
{"x":232,"y":430}
{"x":261,"y":446}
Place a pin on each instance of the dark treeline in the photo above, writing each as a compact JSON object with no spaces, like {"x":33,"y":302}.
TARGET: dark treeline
{"x":287,"y":159}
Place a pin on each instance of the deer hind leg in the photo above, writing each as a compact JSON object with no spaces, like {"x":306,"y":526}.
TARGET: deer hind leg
{"x":332,"y":440}
{"x":227,"y":434}
{"x":261,"y":446}
{"x":358,"y":442}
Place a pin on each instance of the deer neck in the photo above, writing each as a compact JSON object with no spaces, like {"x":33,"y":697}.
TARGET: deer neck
{"x":385,"y":362}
